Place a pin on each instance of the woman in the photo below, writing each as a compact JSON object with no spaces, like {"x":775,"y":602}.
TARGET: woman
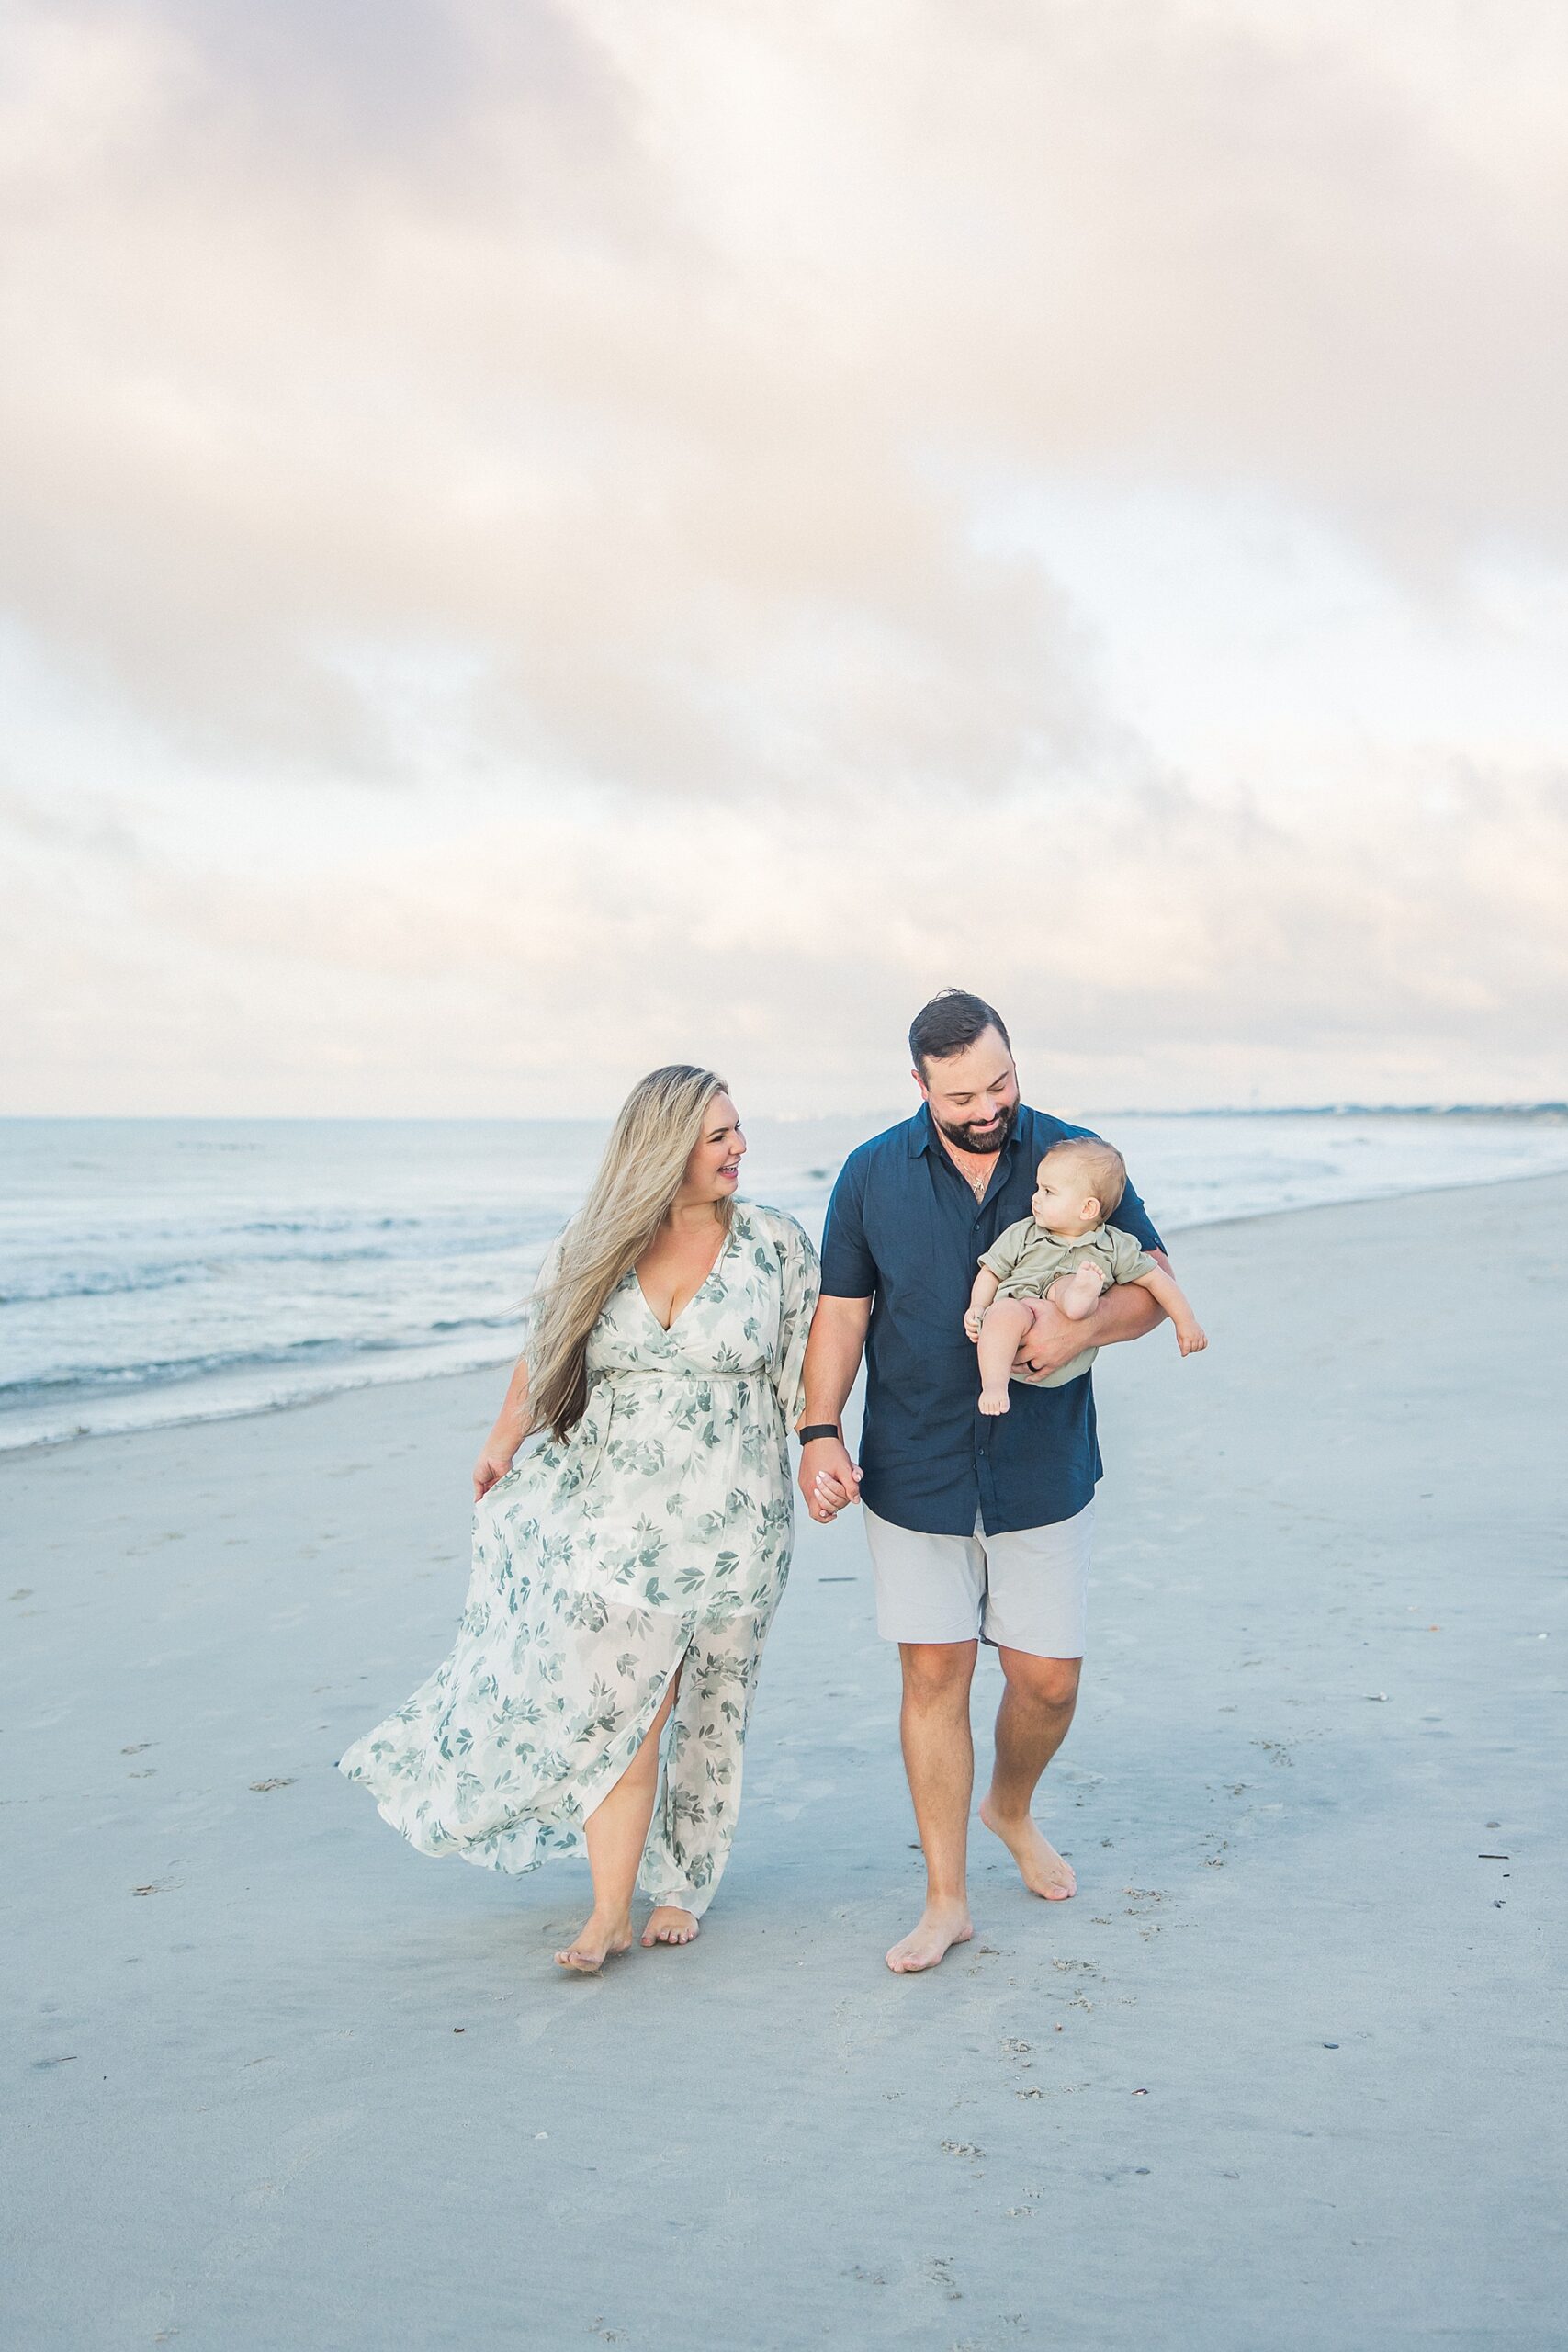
{"x":625,"y":1572}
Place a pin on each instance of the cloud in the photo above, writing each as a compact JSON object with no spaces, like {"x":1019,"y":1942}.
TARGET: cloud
{"x":645,"y":353}
{"x":1204,"y":953}
{"x":573,"y":445}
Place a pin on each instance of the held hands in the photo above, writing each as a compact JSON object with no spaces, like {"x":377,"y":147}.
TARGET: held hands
{"x":829,"y":1479}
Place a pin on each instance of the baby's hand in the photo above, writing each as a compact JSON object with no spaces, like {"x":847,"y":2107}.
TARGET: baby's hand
{"x":972,"y":1322}
{"x":1192,"y":1339}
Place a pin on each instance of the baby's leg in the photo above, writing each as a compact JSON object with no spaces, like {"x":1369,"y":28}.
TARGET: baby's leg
{"x":1007,"y":1324}
{"x":1077,"y":1293}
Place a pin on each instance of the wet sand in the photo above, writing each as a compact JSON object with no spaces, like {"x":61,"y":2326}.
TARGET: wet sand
{"x":1286,"y":2073}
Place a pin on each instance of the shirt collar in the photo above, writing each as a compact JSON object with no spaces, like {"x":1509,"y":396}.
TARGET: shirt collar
{"x":924,"y":1135}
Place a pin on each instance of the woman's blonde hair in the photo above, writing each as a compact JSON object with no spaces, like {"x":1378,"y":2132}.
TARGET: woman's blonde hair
{"x":656,"y":1131}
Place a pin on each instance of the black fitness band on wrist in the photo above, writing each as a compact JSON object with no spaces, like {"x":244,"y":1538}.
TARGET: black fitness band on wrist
{"x":819,"y":1429}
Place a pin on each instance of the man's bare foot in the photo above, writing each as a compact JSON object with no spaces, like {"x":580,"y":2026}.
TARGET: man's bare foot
{"x":668,"y":1924}
{"x":941,"y":1926}
{"x":993,"y":1400}
{"x":596,"y":1941}
{"x":1041,"y":1867}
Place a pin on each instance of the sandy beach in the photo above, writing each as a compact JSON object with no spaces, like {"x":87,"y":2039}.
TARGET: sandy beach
{"x":1287,"y":2073}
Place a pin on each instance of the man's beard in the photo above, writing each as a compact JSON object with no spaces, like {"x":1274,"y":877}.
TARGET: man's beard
{"x":984,"y":1140}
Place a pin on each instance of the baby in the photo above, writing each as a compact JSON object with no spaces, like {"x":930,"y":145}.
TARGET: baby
{"x":1068,"y":1253}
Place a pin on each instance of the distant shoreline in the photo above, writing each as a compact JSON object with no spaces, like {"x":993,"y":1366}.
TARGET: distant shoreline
{"x":1550,"y":1112}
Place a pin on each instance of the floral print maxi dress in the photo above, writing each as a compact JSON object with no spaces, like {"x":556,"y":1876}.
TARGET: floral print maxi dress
{"x":656,"y":1539}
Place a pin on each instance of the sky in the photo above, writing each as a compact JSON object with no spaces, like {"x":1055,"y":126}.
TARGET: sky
{"x":539,"y":541}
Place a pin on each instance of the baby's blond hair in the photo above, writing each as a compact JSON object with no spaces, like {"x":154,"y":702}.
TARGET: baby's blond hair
{"x":1104,"y":1170}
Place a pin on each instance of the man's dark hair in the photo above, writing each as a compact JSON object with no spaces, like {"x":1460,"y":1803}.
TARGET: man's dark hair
{"x":953,"y":1019}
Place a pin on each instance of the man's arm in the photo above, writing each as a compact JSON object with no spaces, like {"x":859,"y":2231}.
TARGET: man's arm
{"x":833,"y":1359}
{"x":1125,"y":1312}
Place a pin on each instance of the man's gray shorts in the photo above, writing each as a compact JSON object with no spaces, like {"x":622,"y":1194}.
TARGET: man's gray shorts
{"x":1024,"y":1591}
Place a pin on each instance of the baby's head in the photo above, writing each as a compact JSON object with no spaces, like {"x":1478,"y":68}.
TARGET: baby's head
{"x":1078,"y":1185}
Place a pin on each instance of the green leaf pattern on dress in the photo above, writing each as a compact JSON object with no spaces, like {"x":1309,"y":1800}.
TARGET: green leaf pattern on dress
{"x":656,"y":1540}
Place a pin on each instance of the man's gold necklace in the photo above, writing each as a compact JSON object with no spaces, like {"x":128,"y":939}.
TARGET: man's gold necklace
{"x":977,"y":1184}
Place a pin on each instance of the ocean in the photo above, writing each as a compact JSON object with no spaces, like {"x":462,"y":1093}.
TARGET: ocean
{"x":165,"y":1270}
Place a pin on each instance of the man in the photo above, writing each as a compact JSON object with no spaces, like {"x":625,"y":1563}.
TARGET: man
{"x":977,"y":1527}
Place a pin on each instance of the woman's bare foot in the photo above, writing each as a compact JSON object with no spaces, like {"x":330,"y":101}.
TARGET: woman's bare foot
{"x":941,"y":1925}
{"x":668,"y":1924}
{"x":596,"y":1941}
{"x":993,"y":1400}
{"x":1040,"y":1868}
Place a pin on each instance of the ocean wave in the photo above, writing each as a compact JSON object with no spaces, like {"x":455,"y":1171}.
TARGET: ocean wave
{"x":327,"y":1224}
{"x":165,"y":1371}
{"x":48,"y":1280}
{"x":98,"y":1281}
{"x":56,"y":1420}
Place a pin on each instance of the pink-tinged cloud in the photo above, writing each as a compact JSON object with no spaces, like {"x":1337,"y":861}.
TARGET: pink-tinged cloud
{"x":530,"y":533}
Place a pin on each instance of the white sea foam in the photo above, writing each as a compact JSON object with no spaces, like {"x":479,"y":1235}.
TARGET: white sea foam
{"x":168,"y":1270}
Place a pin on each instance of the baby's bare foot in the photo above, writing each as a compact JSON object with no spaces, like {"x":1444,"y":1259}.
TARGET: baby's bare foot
{"x":941,"y":1925}
{"x":993,"y":1400}
{"x":1040,"y":1866}
{"x":669,"y":1924}
{"x":1077,"y":1293}
{"x":597,"y":1940}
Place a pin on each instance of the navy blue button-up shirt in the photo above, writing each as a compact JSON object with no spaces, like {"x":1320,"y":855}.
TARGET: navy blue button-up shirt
{"x":905,"y":1229}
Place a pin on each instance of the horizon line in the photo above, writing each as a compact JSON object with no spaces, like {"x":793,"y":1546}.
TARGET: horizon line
{"x":1546,"y":1108}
